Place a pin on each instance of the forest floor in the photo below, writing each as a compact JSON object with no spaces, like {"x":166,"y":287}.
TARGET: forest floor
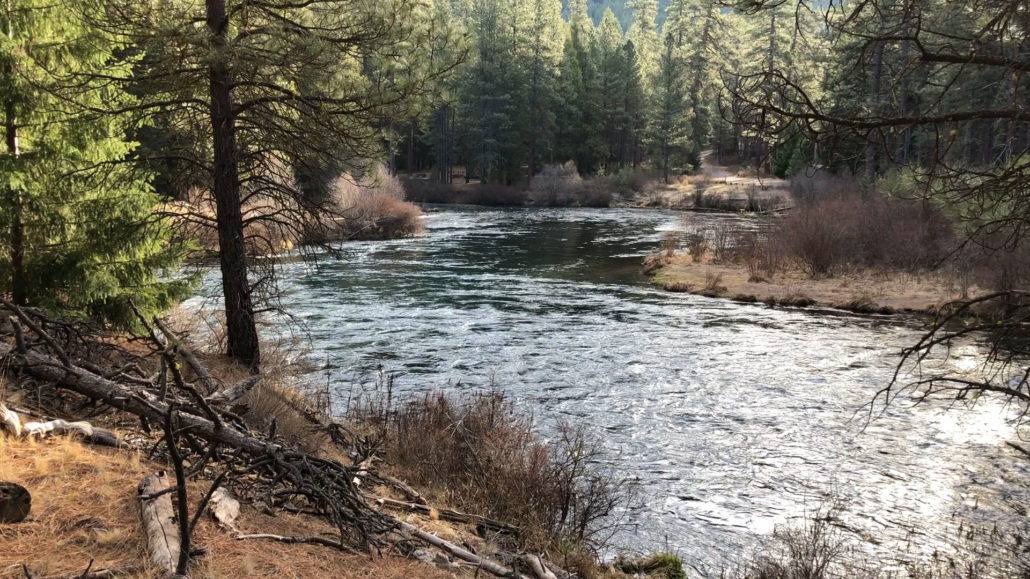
{"x":85,"y":513}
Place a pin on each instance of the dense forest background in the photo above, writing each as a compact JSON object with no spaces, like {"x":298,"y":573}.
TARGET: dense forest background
{"x":253,"y":116}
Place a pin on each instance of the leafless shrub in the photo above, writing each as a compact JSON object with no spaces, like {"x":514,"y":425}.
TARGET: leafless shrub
{"x":697,"y":244}
{"x":371,"y":207}
{"x":814,"y":550}
{"x":561,"y":186}
{"x":481,"y":454}
{"x":814,"y":185}
{"x":722,"y":237}
{"x":642,"y":181}
{"x":670,"y":242}
{"x":831,"y":235}
{"x":713,"y":284}
{"x":555,"y":182}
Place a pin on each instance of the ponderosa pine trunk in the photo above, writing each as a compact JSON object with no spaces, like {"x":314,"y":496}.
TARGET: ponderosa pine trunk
{"x":241,"y":330}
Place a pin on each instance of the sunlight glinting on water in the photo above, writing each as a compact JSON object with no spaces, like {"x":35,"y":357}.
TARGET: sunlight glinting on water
{"x":735,"y":418}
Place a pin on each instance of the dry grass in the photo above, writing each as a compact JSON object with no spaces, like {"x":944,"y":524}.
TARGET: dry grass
{"x":861,"y":290}
{"x":84,"y":508}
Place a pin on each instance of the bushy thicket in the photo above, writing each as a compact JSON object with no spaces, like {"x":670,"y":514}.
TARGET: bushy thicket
{"x":482,"y":455}
{"x":371,"y":207}
{"x":561,"y":186}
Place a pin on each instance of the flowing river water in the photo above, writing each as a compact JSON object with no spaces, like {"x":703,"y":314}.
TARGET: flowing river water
{"x":735,"y":418}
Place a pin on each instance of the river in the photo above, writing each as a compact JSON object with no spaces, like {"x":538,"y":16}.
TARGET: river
{"x":735,"y":418}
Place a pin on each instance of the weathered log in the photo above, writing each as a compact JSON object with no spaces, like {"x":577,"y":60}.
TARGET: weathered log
{"x":9,"y":421}
{"x":234,"y":392}
{"x":15,"y":502}
{"x":463,"y":554}
{"x":135,"y":401}
{"x":413,"y":495}
{"x":537,"y":565}
{"x":90,"y":433}
{"x":159,"y":522}
{"x":325,"y":482}
{"x":447,"y":514}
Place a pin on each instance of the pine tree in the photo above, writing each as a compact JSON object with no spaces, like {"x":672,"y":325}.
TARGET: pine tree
{"x":669,"y":126}
{"x":611,"y":65}
{"x":581,"y":135}
{"x":270,"y":88}
{"x":643,"y":32}
{"x":544,"y":37}
{"x":77,"y":220}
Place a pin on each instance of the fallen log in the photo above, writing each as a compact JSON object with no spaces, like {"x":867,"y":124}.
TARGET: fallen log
{"x":159,"y":522}
{"x":9,"y":421}
{"x":537,"y":565}
{"x":447,"y":514}
{"x":326,"y":483}
{"x":136,"y":401}
{"x":234,"y":392}
{"x":463,"y":554}
{"x":87,"y":431}
{"x":413,"y":495}
{"x":299,"y":540}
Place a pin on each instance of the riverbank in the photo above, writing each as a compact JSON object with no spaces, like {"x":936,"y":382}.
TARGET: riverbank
{"x":85,"y":511}
{"x":862,"y":291}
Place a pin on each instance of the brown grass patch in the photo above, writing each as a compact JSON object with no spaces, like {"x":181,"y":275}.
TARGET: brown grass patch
{"x":84,"y":508}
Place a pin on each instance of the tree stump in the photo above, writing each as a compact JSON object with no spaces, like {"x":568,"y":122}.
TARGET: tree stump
{"x":15,"y":502}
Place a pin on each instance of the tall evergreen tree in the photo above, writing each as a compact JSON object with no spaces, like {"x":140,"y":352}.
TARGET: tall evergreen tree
{"x":77,"y":220}
{"x":611,"y":66}
{"x":581,"y":136}
{"x":669,"y":126}
{"x":643,"y":32}
{"x":544,"y":38}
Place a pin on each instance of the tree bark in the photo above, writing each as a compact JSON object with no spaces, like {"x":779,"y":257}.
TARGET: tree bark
{"x":241,"y":330}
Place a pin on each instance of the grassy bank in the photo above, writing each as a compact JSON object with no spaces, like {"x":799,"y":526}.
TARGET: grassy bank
{"x":838,"y":248}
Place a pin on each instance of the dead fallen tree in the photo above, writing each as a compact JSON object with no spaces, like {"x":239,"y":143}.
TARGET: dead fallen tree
{"x":158,"y":516}
{"x":325,"y":483}
{"x":448,"y":515}
{"x":207,"y":432}
{"x":12,"y":423}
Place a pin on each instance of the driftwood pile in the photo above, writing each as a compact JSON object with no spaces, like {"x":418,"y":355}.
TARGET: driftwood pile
{"x":201,"y":434}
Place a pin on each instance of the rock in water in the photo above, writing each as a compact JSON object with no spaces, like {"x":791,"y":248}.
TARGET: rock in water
{"x":15,"y":502}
